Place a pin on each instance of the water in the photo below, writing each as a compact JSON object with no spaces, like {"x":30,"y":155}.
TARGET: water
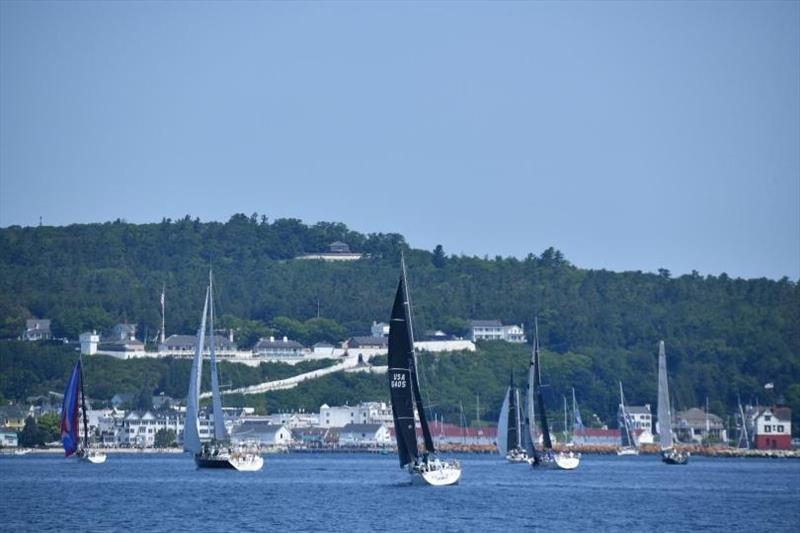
{"x":353,"y":493}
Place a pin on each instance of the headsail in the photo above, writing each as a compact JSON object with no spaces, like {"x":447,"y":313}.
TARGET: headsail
{"x":503,"y":423}
{"x":664,"y":413}
{"x":191,"y":429}
{"x":399,"y":373}
{"x":70,"y":421}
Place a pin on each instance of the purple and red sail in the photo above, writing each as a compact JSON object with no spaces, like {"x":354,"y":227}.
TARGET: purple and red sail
{"x":70,"y":412}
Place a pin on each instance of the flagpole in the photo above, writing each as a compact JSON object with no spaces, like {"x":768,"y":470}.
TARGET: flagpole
{"x":163,"y":290}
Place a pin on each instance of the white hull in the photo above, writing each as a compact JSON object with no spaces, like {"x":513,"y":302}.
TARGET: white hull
{"x":559,"y":460}
{"x":568,"y":460}
{"x":92,"y":456}
{"x":628,"y":451}
{"x":247,"y":463}
{"x":438,"y":475}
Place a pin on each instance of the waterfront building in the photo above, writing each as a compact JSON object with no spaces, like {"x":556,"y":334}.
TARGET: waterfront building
{"x":8,"y":437}
{"x":13,"y":416}
{"x":697,"y":426}
{"x":773,"y":428}
{"x":261,"y":433}
{"x":363,"y":413}
{"x":367,"y":435}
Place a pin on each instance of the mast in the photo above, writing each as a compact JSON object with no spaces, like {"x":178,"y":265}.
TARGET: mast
{"x":576,"y":416}
{"x":743,"y":432}
{"x":83,"y":407}
{"x":664,"y":412}
{"x":412,"y":357}
{"x":163,"y":333}
{"x":537,"y":385}
{"x":566,"y":431}
{"x":216,"y":400}
{"x":513,"y":415}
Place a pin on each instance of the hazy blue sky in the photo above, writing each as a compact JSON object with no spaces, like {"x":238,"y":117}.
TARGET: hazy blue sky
{"x":631,"y":136}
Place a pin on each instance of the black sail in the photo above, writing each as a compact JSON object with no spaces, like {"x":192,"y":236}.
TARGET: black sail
{"x":513,"y":417}
{"x":537,"y":387}
{"x":400,"y":381}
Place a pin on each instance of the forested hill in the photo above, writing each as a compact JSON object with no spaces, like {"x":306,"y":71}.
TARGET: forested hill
{"x":724,"y":336}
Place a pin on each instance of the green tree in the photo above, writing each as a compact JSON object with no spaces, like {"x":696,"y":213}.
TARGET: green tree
{"x":31,"y":434}
{"x":165,"y":438}
{"x":439,"y":259}
{"x":50,"y":427}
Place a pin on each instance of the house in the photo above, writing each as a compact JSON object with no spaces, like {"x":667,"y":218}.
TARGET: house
{"x":696,"y":425}
{"x":337,"y":251}
{"x":37,"y":329}
{"x":641,"y":420}
{"x":363,"y":413}
{"x":364,"y":435}
{"x":494,"y":330}
{"x":138,"y":430}
{"x":453,"y":434}
{"x":773,"y":428}
{"x":379,"y":329}
{"x":313,"y":437}
{"x":261,"y":433}
{"x":185,"y":345}
{"x":271,"y":348}
{"x":13,"y":417}
{"x":8,"y":437}
{"x":368,"y":346}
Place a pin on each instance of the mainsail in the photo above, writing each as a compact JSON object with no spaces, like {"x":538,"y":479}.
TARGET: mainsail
{"x":503,"y":424}
{"x":537,"y":387}
{"x":401,"y":352}
{"x":70,"y":421}
{"x":626,"y":429}
{"x":664,"y":414}
{"x":191,"y":429}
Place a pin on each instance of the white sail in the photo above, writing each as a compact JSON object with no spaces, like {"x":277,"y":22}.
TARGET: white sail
{"x":216,"y":400}
{"x":664,"y":413}
{"x":502,"y":426}
{"x":191,"y":429}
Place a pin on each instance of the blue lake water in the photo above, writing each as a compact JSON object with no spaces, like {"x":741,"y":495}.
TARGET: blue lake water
{"x":353,"y":493}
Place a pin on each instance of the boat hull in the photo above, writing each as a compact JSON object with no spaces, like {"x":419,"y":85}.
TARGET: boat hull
{"x":628,"y":451}
{"x":567,"y":461}
{"x":436,"y":473}
{"x":247,"y":463}
{"x":91,"y":456}
{"x":674,"y":457}
{"x":211,"y":462}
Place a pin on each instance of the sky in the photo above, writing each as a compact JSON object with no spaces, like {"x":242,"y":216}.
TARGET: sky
{"x":628,"y":135}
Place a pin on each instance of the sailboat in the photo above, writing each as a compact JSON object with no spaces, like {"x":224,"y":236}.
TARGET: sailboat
{"x":546,"y":457}
{"x":74,"y":404}
{"x":219,"y":453}
{"x":629,"y":445}
{"x":405,"y":395}
{"x":669,"y":454}
{"x":509,"y":427}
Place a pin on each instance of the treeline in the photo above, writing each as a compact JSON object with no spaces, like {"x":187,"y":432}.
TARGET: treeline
{"x":725,"y":337}
{"x":472,"y":383}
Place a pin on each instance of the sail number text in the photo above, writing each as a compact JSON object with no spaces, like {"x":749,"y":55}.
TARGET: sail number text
{"x":398,"y":381}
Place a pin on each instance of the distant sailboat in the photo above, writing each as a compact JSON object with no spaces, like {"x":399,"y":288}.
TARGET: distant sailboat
{"x":669,"y":454}
{"x":509,"y":427}
{"x":546,"y":457}
{"x":405,"y":396}
{"x":629,"y":445}
{"x":219,"y":453}
{"x":73,"y":405}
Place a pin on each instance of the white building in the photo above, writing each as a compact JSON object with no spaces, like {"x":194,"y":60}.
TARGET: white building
{"x":641,"y":422}
{"x":363,"y":413}
{"x":364,"y":435}
{"x":494,"y":330}
{"x":139,"y":430}
{"x":261,"y":433}
{"x":271,"y":348}
{"x":89,"y":342}
{"x":379,"y":329}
